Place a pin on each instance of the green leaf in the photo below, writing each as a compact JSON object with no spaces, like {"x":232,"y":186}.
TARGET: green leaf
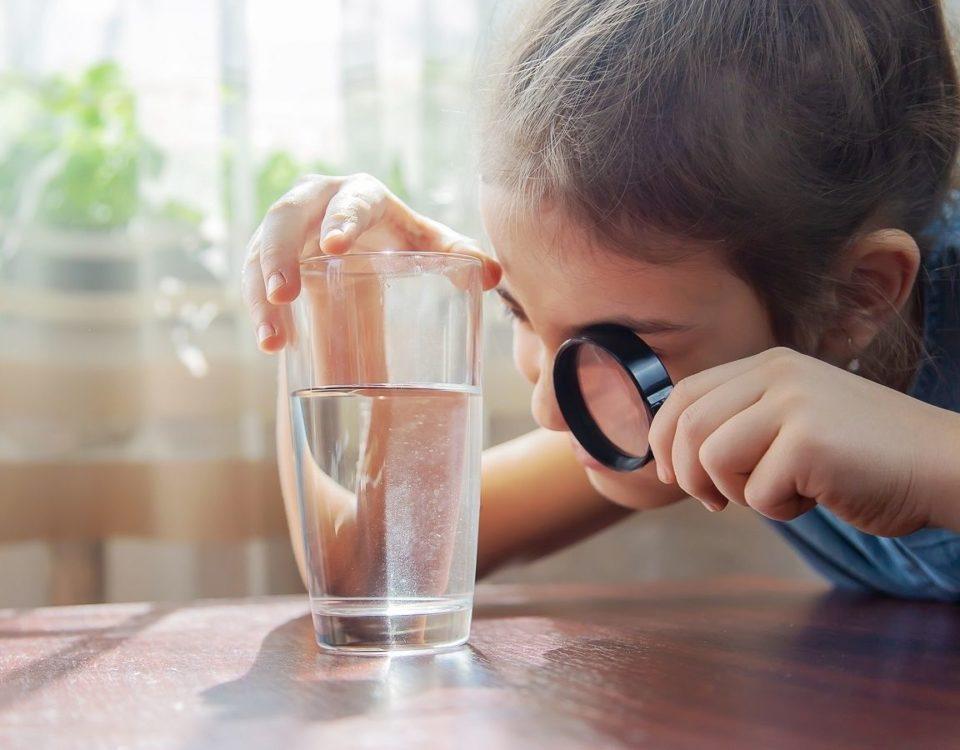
{"x":88,"y":125}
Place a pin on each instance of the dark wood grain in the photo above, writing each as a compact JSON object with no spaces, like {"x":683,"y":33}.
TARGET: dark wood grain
{"x":716,"y":664}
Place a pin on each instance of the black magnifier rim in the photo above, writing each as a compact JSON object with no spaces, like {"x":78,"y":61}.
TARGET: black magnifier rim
{"x":638,"y":360}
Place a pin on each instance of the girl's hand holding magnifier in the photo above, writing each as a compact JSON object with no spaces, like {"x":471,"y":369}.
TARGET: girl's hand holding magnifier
{"x":779,"y":432}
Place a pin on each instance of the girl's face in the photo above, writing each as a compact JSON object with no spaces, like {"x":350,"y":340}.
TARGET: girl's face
{"x":694,"y":313}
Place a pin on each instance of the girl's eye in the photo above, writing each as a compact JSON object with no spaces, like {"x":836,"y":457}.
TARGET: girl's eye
{"x":513,"y":313}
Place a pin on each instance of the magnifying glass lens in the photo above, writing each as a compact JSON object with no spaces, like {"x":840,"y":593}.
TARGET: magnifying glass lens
{"x":613,"y":400}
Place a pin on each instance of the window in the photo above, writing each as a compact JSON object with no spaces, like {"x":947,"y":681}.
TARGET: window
{"x":140,"y":142}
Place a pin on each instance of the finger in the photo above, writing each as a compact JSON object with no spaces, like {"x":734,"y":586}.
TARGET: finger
{"x":451,"y":242}
{"x":772,"y":489}
{"x":268,"y":319}
{"x":359,"y":204}
{"x":418,"y":232}
{"x":364,"y":206}
{"x":311,"y":249}
{"x":735,"y":448}
{"x":685,"y":392}
{"x":285,"y":229}
{"x":698,"y":422}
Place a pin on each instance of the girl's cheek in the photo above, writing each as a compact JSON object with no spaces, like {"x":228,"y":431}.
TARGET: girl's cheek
{"x":526,"y":352}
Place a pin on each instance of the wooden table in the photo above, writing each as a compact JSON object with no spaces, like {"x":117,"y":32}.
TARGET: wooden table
{"x":711,"y":664}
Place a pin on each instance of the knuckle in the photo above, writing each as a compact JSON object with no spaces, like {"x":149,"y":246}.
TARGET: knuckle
{"x":794,"y":401}
{"x":260,"y":309}
{"x":754,"y":494}
{"x":286,"y":204}
{"x":246,"y":286}
{"x":681,"y":389}
{"x":688,"y":423}
{"x":760,"y":494}
{"x":364,"y":178}
{"x":252,"y":261}
{"x":345,"y":213}
{"x":271,"y":254}
{"x":367,"y":187}
{"x":311,"y":179}
{"x":805,"y":447}
{"x":712,"y":457}
{"x":690,"y":477}
{"x":458,"y":243}
{"x":781,"y":360}
{"x":250,"y":283}
{"x":780,"y":352}
{"x":294,"y":200}
{"x":363,"y":204}
{"x":655,"y":434}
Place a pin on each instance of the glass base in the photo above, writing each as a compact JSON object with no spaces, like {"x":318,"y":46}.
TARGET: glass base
{"x":391,"y":626}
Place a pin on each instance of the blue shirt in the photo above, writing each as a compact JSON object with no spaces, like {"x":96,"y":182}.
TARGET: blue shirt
{"x":925,"y":564}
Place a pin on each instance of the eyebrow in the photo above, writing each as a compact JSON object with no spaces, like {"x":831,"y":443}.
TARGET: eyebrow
{"x":641,"y":326}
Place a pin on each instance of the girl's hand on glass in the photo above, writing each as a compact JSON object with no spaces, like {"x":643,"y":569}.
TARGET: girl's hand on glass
{"x":781,"y":432}
{"x":333,"y":215}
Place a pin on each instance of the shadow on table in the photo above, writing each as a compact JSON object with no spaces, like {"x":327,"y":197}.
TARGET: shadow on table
{"x":291,"y":678}
{"x":383,"y":701}
{"x":90,"y":645}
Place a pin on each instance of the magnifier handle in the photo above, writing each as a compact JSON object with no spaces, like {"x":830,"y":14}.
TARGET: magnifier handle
{"x":657,"y":399}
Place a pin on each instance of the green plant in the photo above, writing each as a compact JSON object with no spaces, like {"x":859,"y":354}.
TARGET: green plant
{"x":279,"y":170}
{"x":77,"y":143}
{"x":72,"y":145}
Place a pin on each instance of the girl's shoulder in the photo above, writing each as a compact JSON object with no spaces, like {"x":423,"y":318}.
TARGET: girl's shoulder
{"x":938,"y":380}
{"x":942,"y":234}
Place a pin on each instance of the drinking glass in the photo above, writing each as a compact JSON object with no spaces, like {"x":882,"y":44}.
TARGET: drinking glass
{"x":384,"y":390}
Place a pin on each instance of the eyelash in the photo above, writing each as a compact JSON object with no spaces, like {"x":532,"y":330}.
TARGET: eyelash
{"x":513,"y":314}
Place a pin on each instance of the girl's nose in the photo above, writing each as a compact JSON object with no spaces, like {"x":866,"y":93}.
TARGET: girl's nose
{"x":543,"y":403}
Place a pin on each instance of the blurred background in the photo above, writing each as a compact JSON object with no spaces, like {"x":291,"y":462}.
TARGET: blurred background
{"x":140,"y":142}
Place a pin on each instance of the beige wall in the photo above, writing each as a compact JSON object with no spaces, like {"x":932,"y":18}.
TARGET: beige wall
{"x":684,"y":541}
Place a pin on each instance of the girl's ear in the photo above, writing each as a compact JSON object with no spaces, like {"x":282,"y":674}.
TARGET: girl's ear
{"x":875,"y":279}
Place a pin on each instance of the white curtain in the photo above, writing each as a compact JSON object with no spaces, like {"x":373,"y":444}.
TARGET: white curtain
{"x":140,"y":141}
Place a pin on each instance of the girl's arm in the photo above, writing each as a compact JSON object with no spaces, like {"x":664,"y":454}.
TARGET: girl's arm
{"x":534,"y":498}
{"x":945,"y":471}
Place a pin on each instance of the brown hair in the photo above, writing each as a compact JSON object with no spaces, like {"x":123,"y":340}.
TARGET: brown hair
{"x":777,"y":129}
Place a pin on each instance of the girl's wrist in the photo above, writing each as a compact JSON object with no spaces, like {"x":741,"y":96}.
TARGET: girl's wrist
{"x":943,"y":472}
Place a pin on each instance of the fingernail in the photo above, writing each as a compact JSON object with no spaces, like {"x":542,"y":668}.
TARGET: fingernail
{"x":275,"y":281}
{"x":331,"y":232}
{"x":265,"y":332}
{"x":712,"y":505}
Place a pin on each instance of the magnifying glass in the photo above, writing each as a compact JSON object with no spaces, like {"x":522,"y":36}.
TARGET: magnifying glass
{"x":609,"y":385}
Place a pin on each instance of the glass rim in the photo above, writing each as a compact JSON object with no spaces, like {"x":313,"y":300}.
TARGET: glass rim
{"x":320,"y":260}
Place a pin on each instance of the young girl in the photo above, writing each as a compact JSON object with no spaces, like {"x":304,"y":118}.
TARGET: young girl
{"x":758,"y":188}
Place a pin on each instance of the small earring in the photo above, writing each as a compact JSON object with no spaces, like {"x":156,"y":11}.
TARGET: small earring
{"x":854,"y":364}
